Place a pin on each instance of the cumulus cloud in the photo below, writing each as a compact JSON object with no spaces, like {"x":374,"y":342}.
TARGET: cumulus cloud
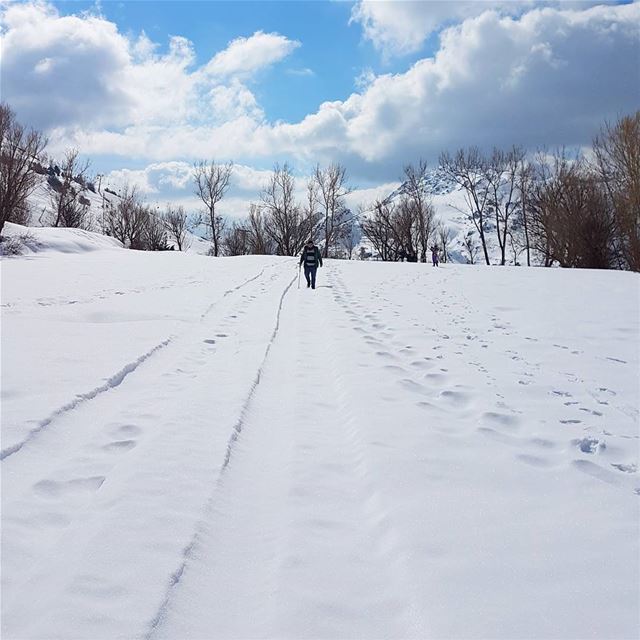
{"x":398,"y":27}
{"x":79,"y":72}
{"x":57,"y":70}
{"x":248,"y":55}
{"x":546,"y":76}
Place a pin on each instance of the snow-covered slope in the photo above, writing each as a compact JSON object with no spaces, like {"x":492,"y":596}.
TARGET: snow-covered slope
{"x":196,"y":448}
{"x":58,"y":240}
{"x":40,"y":208}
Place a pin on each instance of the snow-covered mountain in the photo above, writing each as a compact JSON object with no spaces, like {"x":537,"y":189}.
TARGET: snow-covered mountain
{"x":436,"y":182}
{"x":198,"y":448}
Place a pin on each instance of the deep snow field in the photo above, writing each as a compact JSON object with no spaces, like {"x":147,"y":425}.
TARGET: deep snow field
{"x":195,"y":448}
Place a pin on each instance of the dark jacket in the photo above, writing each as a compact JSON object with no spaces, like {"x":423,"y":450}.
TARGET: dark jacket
{"x":311,"y":257}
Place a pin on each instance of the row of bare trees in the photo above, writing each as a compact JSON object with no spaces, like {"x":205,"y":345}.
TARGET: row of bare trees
{"x":278,"y":223}
{"x":404,"y":226}
{"x":573,"y":211}
{"x":134,"y":223}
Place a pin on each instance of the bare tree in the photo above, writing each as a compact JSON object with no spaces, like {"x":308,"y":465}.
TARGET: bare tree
{"x":444,"y":236}
{"x":69,"y":206}
{"x":154,"y":236}
{"x":19,"y":149}
{"x":350,"y":236}
{"x":259,"y":241}
{"x":525,"y":177}
{"x":405,"y":231}
{"x":467,"y":169}
{"x":176,"y":222}
{"x":237,"y":241}
{"x":313,"y":220}
{"x":470,"y":247}
{"x":126,"y":219}
{"x":419,"y":204}
{"x":331,"y":191}
{"x":283,"y":220}
{"x":501,"y":172}
{"x":617,"y":163}
{"x":212,"y":181}
{"x":573,"y":222}
{"x":383,"y":226}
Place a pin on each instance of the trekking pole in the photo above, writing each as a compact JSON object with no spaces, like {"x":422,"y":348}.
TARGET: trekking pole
{"x":299,"y":276}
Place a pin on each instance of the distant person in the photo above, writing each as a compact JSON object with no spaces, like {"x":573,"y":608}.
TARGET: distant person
{"x":411,"y":256}
{"x":434,"y":256}
{"x":311,"y":259}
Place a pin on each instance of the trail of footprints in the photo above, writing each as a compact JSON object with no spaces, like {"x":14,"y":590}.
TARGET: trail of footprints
{"x":503,"y":425}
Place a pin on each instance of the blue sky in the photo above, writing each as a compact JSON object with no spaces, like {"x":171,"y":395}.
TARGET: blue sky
{"x":146,"y":88}
{"x":324,"y":68}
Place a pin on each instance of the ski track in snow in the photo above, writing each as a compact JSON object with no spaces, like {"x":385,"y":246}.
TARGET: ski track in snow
{"x":117,"y":378}
{"x":76,"y":486}
{"x":388,"y":456}
{"x":176,"y":576}
{"x":386,"y":582}
{"x":112,"y":382}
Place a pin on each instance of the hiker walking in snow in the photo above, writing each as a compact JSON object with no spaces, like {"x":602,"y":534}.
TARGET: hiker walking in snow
{"x":434,"y":255}
{"x":311,"y":259}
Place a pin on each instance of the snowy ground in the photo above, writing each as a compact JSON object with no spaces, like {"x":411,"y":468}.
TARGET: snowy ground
{"x":196,"y":448}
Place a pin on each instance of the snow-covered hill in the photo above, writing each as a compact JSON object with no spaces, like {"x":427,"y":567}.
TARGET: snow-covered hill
{"x":58,"y":240}
{"x":40,"y":208}
{"x":197,"y":448}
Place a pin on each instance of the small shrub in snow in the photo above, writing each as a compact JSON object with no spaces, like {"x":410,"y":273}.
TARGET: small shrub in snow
{"x":16,"y":245}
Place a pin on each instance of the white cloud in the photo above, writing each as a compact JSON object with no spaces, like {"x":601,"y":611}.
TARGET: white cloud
{"x":245,"y":56}
{"x":494,"y":80}
{"x":78,"y":72}
{"x":398,"y":27}
{"x":365,"y":79}
{"x":59,"y":69}
{"x":305,"y":72}
{"x":550,"y":76}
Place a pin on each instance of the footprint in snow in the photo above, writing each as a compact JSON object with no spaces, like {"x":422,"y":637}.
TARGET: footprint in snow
{"x":210,"y":341}
{"x":55,"y":489}
{"x":626,"y":468}
{"x":122,"y":431}
{"x":607,"y":391}
{"x":119,"y":446}
{"x":534,"y":461}
{"x":456,"y":398}
{"x":591,"y":411}
{"x":589,"y":445}
{"x":503,"y":420}
{"x":435,"y":378}
{"x":412,"y":386}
